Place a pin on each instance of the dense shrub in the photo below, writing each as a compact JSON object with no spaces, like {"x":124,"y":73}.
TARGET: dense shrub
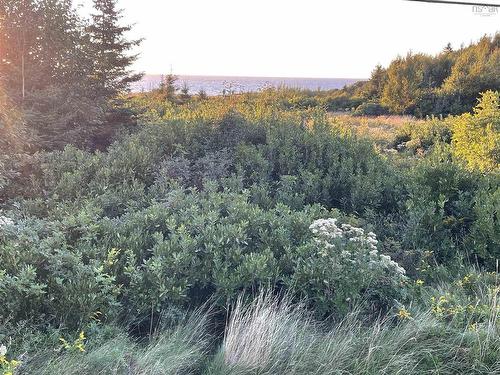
{"x":484,"y":240}
{"x":421,"y":136}
{"x":422,"y":85}
{"x":217,"y":199}
{"x":45,"y":277}
{"x":440,"y":207}
{"x":183,"y":249}
{"x":371,"y":109}
{"x":342,"y":268}
{"x":476,"y":138}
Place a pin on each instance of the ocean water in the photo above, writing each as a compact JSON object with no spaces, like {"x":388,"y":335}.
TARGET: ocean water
{"x":218,"y":85}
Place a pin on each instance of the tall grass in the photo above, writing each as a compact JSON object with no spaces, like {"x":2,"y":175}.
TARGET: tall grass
{"x":267,"y":334}
{"x":272,"y":335}
{"x":181,"y":350}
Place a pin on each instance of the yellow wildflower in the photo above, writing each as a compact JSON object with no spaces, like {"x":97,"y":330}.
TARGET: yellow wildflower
{"x":112,"y":256}
{"x":419,"y":282}
{"x":473,"y":327}
{"x":78,"y":344}
{"x":403,"y":314}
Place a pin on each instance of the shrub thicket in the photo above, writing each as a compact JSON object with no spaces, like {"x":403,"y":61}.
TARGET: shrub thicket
{"x":225,"y":196}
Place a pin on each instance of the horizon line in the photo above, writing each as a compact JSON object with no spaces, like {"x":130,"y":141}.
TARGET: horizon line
{"x":251,"y":76}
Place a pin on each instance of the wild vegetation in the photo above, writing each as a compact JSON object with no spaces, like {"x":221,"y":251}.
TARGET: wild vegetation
{"x":423,"y":85}
{"x":261,"y":233}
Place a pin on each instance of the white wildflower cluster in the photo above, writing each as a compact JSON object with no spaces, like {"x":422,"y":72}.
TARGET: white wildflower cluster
{"x":388,"y":263}
{"x":5,"y":221}
{"x":351,"y":243}
{"x":326,"y":230}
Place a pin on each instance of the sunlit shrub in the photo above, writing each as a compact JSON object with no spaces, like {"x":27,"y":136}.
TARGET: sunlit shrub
{"x":476,"y":137}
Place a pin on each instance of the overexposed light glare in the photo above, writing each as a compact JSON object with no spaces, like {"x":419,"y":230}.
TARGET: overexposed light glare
{"x":292,"y":38}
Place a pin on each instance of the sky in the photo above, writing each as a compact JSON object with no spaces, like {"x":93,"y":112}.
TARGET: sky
{"x":292,"y":38}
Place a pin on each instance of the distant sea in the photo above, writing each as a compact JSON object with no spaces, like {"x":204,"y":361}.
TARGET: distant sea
{"x":217,"y":85}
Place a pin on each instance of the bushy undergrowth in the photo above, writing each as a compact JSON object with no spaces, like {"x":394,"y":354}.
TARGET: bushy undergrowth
{"x":209,"y":200}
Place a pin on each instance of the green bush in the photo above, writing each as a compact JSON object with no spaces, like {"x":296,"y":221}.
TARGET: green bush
{"x":217,"y":199}
{"x":476,"y":138}
{"x":183,"y":249}
{"x":440,"y":208}
{"x":47,"y":277}
{"x":422,"y":136}
{"x":371,"y":109}
{"x":484,"y":240}
{"x":342,"y":268}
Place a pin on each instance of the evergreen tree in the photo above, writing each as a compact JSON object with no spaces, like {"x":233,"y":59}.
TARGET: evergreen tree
{"x":375,"y":86}
{"x":404,"y":78}
{"x":20,"y":25}
{"x":111,"y":50}
{"x":44,"y":67}
{"x":185,"y":96}
{"x":475,"y":70}
{"x":42,"y":45}
{"x":168,"y":88}
{"x":202,"y":94}
{"x":59,"y":71}
{"x":14,"y":137}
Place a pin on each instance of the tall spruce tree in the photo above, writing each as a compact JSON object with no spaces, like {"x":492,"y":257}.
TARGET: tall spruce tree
{"x":20,"y":25}
{"x":111,"y":50}
{"x":375,"y":86}
{"x":60,"y":71}
{"x":44,"y":66}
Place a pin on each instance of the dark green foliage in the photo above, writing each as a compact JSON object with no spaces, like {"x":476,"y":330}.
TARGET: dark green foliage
{"x":440,"y":206}
{"x":371,"y":109}
{"x":346,"y":99}
{"x":62,"y":73}
{"x":110,"y":50}
{"x":127,"y":228}
{"x":168,"y":87}
{"x":375,"y":86}
{"x":215,"y":200}
{"x":485,"y":231}
{"x":185,"y":211}
{"x":185,"y":96}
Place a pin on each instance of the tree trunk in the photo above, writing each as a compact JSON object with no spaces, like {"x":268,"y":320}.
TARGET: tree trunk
{"x":23,"y":78}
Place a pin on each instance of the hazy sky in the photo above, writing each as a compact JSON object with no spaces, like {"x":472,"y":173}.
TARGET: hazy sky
{"x":290,"y":38}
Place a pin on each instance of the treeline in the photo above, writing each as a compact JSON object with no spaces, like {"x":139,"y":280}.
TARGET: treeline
{"x":421,"y":85}
{"x":60,"y":73}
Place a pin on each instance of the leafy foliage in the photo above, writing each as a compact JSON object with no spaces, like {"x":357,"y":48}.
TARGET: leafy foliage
{"x":476,"y":138}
